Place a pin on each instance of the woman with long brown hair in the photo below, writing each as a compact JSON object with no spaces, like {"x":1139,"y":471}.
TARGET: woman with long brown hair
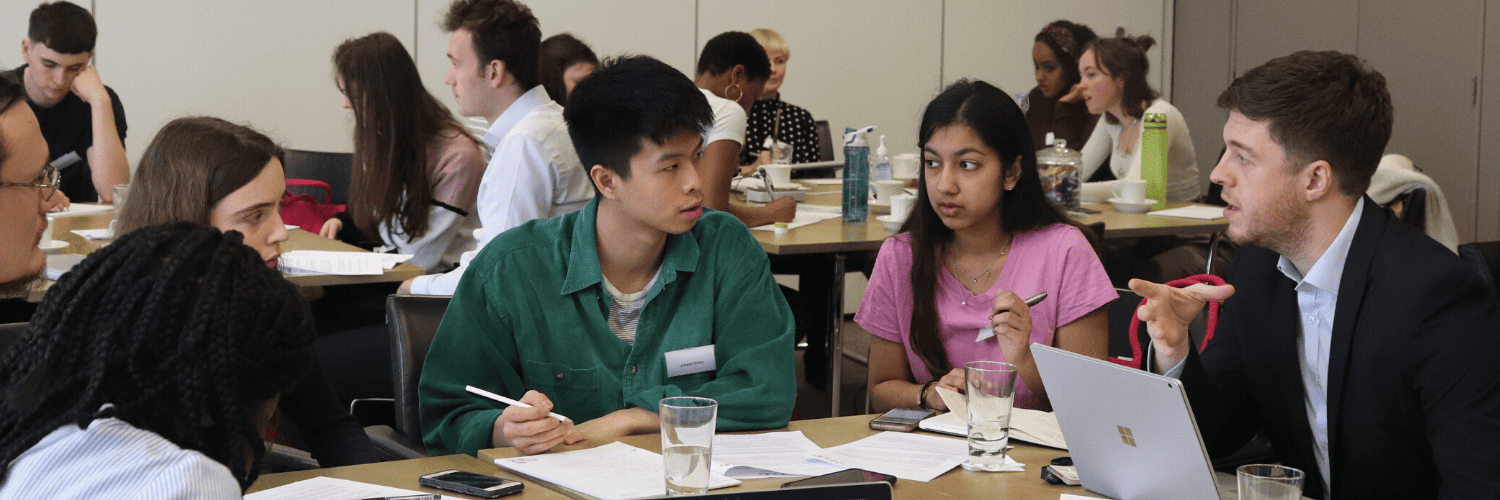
{"x":981,"y":237}
{"x":416,"y":170}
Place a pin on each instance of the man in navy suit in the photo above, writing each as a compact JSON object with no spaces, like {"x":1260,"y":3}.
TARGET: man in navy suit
{"x":1368,"y":352}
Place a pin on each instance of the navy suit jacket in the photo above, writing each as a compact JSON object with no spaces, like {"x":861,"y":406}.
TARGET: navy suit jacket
{"x":1413,"y":371}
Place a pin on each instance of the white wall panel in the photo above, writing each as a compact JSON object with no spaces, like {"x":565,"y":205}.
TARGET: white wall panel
{"x":872,"y":65}
{"x":267,"y":63}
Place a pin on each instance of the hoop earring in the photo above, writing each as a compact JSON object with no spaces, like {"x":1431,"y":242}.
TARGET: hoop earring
{"x":736,"y":87}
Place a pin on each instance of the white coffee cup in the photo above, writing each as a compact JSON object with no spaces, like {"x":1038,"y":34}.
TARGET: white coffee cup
{"x":781,"y":175}
{"x":47,"y":234}
{"x":901,"y":205}
{"x":885,"y":190}
{"x":905,"y":166}
{"x":1130,"y":190}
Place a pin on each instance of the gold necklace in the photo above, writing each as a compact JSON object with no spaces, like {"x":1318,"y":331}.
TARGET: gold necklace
{"x":975,"y":280}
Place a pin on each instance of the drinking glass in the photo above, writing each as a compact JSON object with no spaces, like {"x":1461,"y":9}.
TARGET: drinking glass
{"x":687,"y":440}
{"x":990,"y":387}
{"x":1269,"y":482}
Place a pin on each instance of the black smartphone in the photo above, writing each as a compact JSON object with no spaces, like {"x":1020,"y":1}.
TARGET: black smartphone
{"x":900,"y":419}
{"x":469,"y":483}
{"x":845,"y":476}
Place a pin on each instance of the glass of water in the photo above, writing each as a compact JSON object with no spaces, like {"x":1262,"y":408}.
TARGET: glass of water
{"x":687,"y":441}
{"x":990,"y":387}
{"x":1269,"y":482}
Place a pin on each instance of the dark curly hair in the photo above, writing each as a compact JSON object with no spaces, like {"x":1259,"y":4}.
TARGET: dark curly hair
{"x":183,"y":329}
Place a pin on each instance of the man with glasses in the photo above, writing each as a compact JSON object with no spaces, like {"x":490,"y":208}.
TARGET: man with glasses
{"x":25,"y":180}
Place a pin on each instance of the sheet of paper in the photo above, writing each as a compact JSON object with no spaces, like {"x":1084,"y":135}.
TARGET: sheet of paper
{"x":1032,"y":426}
{"x":95,"y":234}
{"x":913,"y":457}
{"x":82,"y":209}
{"x":1201,"y":212}
{"x":327,"y":488}
{"x":615,"y":471}
{"x":772,"y":454}
{"x":301,"y":262}
{"x":807,"y":214}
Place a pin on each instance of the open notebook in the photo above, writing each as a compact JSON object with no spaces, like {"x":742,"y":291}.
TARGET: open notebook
{"x":1032,"y":426}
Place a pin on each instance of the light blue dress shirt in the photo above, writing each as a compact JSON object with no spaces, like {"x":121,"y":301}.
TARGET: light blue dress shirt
{"x":112,"y":459}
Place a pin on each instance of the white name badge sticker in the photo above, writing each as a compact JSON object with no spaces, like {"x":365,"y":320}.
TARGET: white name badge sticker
{"x":691,"y":360}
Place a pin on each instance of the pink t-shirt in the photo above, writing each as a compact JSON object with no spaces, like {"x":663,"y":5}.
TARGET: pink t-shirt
{"x":1056,"y":259}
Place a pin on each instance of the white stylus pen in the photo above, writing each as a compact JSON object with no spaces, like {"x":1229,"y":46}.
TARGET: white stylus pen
{"x":510,"y":401}
{"x":989,"y":331}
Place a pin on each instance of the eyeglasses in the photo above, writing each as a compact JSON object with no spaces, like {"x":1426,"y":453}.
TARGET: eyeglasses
{"x":48,"y":181}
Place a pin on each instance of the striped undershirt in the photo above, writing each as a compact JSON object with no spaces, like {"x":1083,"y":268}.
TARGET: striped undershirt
{"x":625,"y":308}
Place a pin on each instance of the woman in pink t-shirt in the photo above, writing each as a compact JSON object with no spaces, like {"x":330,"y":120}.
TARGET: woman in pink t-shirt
{"x":981,"y":239}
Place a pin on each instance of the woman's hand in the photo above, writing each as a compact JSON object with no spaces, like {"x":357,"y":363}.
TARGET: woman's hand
{"x":1073,"y":95}
{"x":1011,"y":319}
{"x":331,"y":229}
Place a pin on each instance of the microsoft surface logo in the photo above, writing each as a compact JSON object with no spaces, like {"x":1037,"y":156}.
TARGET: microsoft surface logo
{"x":1125,"y":435}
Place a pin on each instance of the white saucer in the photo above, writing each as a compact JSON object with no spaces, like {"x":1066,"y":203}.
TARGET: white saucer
{"x":1126,"y":207}
{"x":51,"y":247}
{"x":892,"y":222}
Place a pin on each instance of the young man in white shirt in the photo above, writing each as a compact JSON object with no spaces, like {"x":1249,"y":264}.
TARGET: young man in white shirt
{"x":534,"y":172}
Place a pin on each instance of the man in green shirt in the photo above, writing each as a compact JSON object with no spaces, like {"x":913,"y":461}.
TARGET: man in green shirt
{"x":596,"y":314}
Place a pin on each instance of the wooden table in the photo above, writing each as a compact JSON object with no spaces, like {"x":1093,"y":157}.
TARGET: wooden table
{"x":956,"y":483}
{"x":404,"y":474}
{"x":1123,"y":225}
{"x":297,"y":239}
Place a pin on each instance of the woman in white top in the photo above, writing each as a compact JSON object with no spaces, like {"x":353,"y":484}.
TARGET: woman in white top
{"x":1114,"y":84}
{"x":152,"y":371}
{"x":732,"y":71}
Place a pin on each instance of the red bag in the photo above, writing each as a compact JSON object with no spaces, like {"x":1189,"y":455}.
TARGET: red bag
{"x":1135,"y":321}
{"x":304,"y":210}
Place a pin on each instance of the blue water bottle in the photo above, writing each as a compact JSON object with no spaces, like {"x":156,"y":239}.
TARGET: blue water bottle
{"x":856,"y":174}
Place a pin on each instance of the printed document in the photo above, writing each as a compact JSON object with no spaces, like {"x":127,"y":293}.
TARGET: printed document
{"x":772,"y":454}
{"x":327,"y":488}
{"x":913,"y":457}
{"x":615,"y":471}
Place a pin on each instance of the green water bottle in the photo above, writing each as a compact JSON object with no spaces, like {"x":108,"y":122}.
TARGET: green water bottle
{"x":1154,"y":158}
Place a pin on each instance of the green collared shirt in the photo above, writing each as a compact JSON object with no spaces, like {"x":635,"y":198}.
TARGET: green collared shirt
{"x":530,"y":314}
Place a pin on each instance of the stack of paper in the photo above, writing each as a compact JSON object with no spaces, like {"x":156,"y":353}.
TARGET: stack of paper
{"x":1032,"y":426}
{"x":1201,"y":212}
{"x":807,"y":214}
{"x":299,"y":262}
{"x":327,"y":488}
{"x":771,"y":454}
{"x":615,"y":471}
{"x":81,"y":209}
{"x":914,"y":457}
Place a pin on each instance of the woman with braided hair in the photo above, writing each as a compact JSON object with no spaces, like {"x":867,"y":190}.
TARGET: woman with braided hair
{"x":151,"y":370}
{"x":211,"y":172}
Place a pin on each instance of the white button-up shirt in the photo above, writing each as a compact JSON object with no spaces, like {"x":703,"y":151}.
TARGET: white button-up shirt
{"x":1317,"y":298}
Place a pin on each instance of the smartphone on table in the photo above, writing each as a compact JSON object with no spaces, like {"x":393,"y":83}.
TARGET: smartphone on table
{"x":845,"y":476}
{"x":900,"y":419}
{"x":470,"y":483}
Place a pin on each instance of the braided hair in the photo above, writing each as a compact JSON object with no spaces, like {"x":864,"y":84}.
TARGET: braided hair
{"x":183,"y":329}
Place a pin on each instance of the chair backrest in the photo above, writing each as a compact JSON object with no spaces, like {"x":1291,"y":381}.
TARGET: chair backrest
{"x":9,"y":334}
{"x":1485,"y":258}
{"x":413,"y":320}
{"x":1414,"y":208}
{"x":332,"y":168}
{"x":825,"y":140}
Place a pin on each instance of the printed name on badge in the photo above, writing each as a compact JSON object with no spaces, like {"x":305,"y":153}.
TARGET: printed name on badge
{"x":691,"y":360}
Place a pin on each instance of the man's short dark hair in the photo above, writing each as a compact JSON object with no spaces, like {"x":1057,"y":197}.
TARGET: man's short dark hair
{"x":503,"y":30}
{"x":1321,"y":106}
{"x":628,"y":100}
{"x":63,"y":27}
{"x":733,"y":48}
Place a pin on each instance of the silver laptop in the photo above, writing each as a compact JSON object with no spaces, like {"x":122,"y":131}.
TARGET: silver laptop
{"x":1131,"y":433}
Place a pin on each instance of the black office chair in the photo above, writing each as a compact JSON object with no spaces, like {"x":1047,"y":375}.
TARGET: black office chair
{"x":1485,"y":258}
{"x":825,"y":140}
{"x":9,"y":334}
{"x":413,"y":321}
{"x":1414,"y":208}
{"x":332,"y":168}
